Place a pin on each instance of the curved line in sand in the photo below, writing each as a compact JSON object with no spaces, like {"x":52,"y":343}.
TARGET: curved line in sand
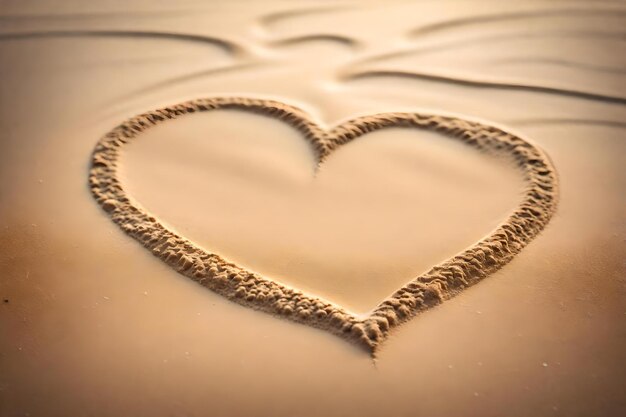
{"x":442,"y":282}
{"x":96,"y":15}
{"x":498,"y":38}
{"x":507,"y":17}
{"x":223,"y":44}
{"x":298,"y":40}
{"x":557,"y":62}
{"x":277,"y":17}
{"x":559,"y":121}
{"x":486,"y":84}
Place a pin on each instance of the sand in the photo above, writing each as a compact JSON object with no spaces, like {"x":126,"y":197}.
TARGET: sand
{"x":291,"y":219}
{"x":274,"y":196}
{"x":264,"y":293}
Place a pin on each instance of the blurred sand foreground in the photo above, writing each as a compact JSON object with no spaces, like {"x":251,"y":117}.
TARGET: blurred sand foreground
{"x":92,"y":324}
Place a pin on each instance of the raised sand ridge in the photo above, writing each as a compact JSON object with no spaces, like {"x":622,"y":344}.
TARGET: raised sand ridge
{"x":236,"y":283}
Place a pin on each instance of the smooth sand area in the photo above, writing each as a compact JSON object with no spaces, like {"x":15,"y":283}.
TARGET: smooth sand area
{"x":92,"y":324}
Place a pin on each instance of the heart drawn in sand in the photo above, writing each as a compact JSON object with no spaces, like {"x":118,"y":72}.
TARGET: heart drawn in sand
{"x":251,"y":289}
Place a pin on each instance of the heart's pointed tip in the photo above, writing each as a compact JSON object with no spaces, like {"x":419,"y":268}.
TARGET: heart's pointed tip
{"x":373,"y":350}
{"x":367,"y":337}
{"x":369,"y":346}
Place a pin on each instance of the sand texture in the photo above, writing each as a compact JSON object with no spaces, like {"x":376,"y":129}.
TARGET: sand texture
{"x":258,"y":208}
{"x":440,"y":283}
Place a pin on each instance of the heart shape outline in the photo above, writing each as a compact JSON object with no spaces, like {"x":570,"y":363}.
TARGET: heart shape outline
{"x":440,"y":283}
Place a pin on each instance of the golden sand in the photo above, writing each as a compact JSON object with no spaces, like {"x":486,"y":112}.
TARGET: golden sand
{"x":92,"y":323}
{"x":247,"y":288}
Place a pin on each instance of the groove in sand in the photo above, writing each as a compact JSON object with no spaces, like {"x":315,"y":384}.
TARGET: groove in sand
{"x":491,"y":84}
{"x":339,"y":39}
{"x":509,"y":17}
{"x":278,"y":17}
{"x":227,"y":46}
{"x":494,"y":39}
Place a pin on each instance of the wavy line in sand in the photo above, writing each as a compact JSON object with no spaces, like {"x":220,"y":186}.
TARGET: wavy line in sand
{"x":557,"y":62}
{"x":498,"y":38}
{"x":253,"y":290}
{"x":96,"y":15}
{"x":223,"y":44}
{"x":508,"y":17}
{"x":298,"y":40}
{"x":560,"y":121}
{"x":471,"y":82}
{"x":273,"y":18}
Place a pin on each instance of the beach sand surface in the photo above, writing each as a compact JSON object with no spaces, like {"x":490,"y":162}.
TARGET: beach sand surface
{"x":91,"y":323}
